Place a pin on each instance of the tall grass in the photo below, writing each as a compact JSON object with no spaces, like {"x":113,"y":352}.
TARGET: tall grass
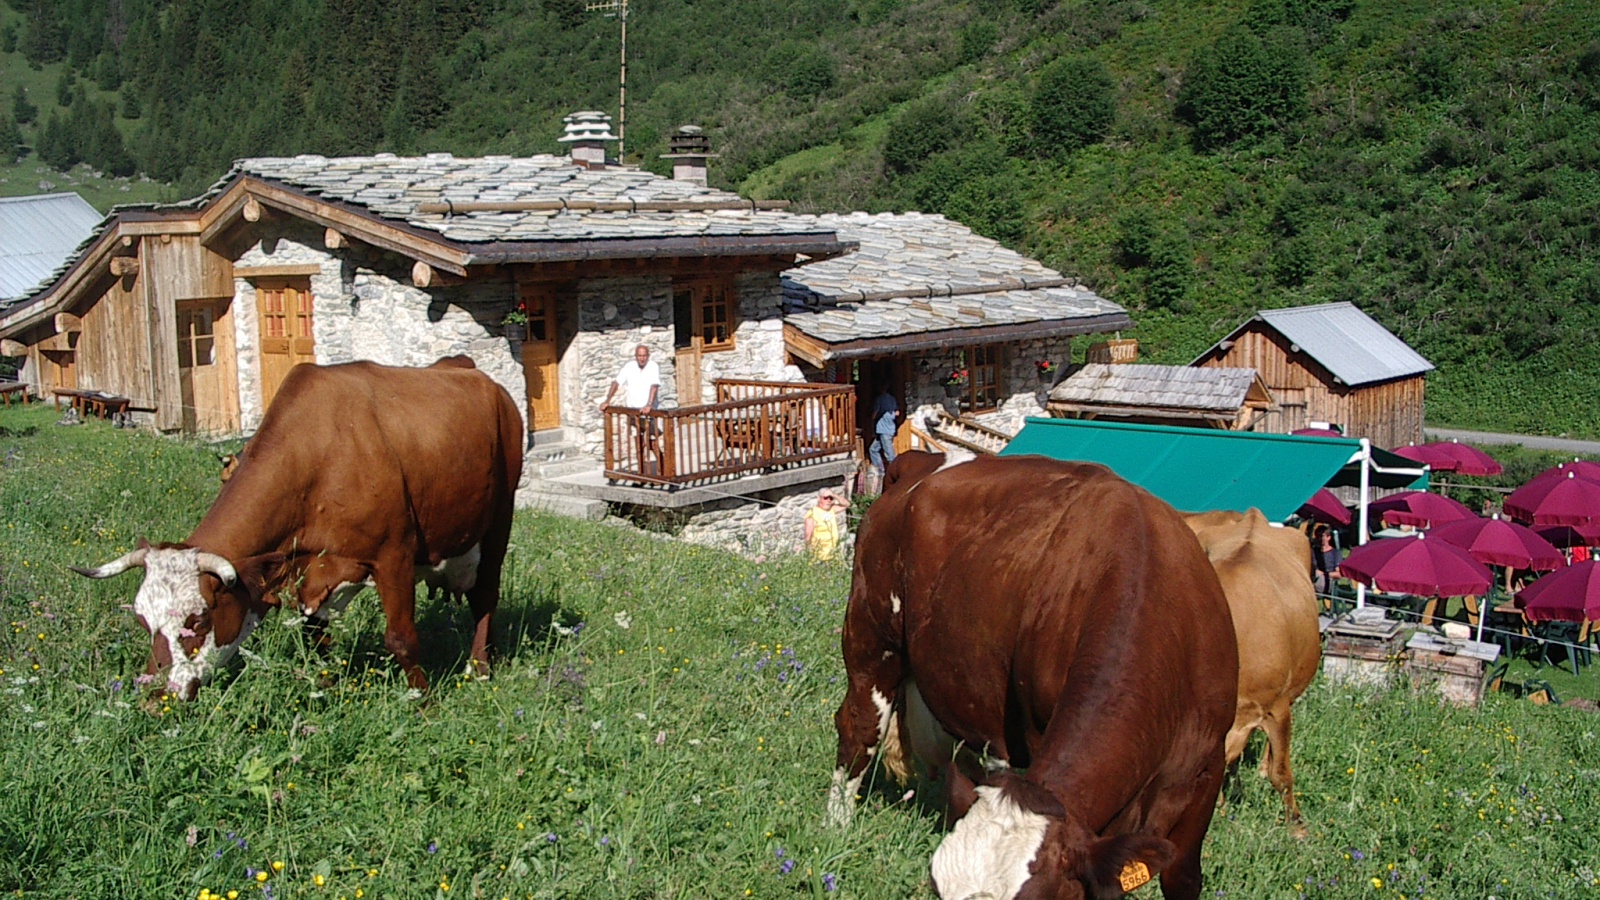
{"x":659,"y":725}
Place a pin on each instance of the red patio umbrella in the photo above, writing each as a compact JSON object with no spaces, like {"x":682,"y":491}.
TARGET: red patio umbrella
{"x":1568,"y":500}
{"x":1417,"y":565}
{"x":1317,"y":432}
{"x":1570,"y":535}
{"x":1419,"y":508}
{"x":1434,"y":458}
{"x":1469,"y":459}
{"x":1572,"y":594}
{"x":1324,"y":507}
{"x":1582,"y":468}
{"x":1497,"y":542}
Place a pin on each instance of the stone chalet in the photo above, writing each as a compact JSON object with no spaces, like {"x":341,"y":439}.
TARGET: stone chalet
{"x":765,"y":333}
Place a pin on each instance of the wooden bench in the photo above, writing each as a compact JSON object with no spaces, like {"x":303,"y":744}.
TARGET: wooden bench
{"x":98,"y":402}
{"x":16,"y":388}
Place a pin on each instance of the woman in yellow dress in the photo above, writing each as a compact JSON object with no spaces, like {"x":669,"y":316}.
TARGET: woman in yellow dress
{"x":822,"y":525}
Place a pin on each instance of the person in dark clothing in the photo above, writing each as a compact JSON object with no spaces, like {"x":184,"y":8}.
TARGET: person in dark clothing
{"x":885,"y":410}
{"x":1324,"y":559}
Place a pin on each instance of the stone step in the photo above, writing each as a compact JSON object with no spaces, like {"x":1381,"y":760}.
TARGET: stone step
{"x":566,"y":467}
{"x":549,"y":453}
{"x":561,"y":504}
{"x":560,"y":435}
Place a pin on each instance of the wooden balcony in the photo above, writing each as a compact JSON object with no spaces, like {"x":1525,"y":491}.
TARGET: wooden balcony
{"x":755,"y":426}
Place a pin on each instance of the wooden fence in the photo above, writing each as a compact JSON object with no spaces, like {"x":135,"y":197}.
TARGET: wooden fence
{"x":761,"y":425}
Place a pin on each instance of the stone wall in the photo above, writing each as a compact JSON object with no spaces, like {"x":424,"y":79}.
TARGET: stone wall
{"x":364,"y":308}
{"x":614,"y":315}
{"x":774,"y":524}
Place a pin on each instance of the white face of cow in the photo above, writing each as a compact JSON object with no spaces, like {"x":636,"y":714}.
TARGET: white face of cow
{"x":989,"y":852}
{"x":171,"y":607}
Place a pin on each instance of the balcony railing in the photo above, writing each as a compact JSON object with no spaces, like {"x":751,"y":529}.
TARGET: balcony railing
{"x":754,"y":425}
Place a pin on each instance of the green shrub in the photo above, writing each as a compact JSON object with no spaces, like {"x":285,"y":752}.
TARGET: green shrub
{"x":1170,"y":271}
{"x":977,"y":37}
{"x":803,"y":70}
{"x":1073,"y":104}
{"x":922,"y":129}
{"x":21,"y":109}
{"x":1136,"y":236}
{"x":1243,"y":86}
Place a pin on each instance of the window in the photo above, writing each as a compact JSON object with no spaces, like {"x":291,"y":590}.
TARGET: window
{"x":196,"y":346}
{"x":704,"y":313}
{"x":985,"y":378}
{"x":539,"y":302}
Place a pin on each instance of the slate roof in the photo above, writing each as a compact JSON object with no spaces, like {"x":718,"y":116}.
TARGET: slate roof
{"x":1172,"y":387}
{"x":37,"y":235}
{"x":392,"y":187}
{"x":916,"y":273}
{"x":1346,"y":341}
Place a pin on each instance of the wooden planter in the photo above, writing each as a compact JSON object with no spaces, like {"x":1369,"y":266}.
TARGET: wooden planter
{"x":953,"y":390}
{"x":515,"y":331}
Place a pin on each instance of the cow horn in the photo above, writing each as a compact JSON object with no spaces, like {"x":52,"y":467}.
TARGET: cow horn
{"x":117,"y":566}
{"x":216,"y":565}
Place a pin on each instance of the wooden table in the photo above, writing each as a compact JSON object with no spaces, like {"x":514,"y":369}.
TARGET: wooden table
{"x":98,"y":402}
{"x":8,"y":388}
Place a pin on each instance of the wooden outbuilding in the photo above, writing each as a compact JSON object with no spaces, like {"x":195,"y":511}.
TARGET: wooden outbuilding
{"x":1330,"y":363}
{"x":1210,"y":397}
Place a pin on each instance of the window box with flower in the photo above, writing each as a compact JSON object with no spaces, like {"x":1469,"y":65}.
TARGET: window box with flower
{"x":955,"y":382}
{"x":515,"y":325}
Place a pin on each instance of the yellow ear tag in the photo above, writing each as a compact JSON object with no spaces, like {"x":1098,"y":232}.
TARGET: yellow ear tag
{"x":1132,"y":875}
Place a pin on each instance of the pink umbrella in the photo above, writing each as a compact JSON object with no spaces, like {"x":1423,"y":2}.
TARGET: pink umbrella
{"x":1555,"y":501}
{"x":1572,"y":594}
{"x":1419,"y":508}
{"x":1582,"y":468}
{"x":1469,"y":459}
{"x":1324,"y":507}
{"x":1497,"y":542}
{"x":1570,"y":535}
{"x":1428,"y":455}
{"x":1318,"y":432}
{"x":1416,"y":565}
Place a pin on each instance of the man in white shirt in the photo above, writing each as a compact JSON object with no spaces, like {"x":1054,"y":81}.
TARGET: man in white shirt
{"x":640,"y":381}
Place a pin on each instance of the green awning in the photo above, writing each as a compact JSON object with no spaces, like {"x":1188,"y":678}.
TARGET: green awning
{"x":1198,"y":468}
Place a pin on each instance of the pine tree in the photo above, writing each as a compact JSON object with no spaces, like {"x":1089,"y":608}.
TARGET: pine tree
{"x":11,"y":146}
{"x":130,"y":102}
{"x":64,"y":88}
{"x":21,"y":110}
{"x":43,"y":43}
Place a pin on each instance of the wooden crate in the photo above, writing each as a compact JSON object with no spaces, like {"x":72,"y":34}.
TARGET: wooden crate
{"x":1121,"y":350}
{"x":1453,"y":668}
{"x":1365,"y":650}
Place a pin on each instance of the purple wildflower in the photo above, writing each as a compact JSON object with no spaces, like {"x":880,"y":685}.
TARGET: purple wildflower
{"x":785,"y":867}
{"x":116,"y":684}
{"x":249,"y":872}
{"x":550,"y":836}
{"x":778,"y":852}
{"x":828,"y":882}
{"x":432,"y":847}
{"x":604,"y":840}
{"x":1356,"y":854}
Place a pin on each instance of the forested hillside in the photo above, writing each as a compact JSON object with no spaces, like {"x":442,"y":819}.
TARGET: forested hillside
{"x":1437,"y":163}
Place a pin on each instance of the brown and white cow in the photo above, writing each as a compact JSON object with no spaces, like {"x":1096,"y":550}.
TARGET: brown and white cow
{"x":1048,"y":617}
{"x":360,"y":474}
{"x":1266,"y":574}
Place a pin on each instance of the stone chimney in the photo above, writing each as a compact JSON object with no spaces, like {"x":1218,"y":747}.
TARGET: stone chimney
{"x":587,"y":132}
{"x":689,"y":149}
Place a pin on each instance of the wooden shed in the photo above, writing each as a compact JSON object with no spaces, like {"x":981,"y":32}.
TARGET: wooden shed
{"x":1211,"y":397}
{"x":1332,"y":363}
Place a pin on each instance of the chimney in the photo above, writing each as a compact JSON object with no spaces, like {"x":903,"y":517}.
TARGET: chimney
{"x":587,"y":132}
{"x":690,"y":149}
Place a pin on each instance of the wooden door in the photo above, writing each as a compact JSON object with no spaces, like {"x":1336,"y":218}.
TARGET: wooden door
{"x":540,"y":360}
{"x":63,"y":361}
{"x":283,"y":310}
{"x":203,"y":378}
{"x":686,"y":345}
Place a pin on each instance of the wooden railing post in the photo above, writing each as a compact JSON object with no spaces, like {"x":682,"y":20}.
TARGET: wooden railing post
{"x":669,"y":447}
{"x":611,"y":461}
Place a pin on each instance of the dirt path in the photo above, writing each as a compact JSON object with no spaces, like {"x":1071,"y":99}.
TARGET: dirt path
{"x":1533,"y":441}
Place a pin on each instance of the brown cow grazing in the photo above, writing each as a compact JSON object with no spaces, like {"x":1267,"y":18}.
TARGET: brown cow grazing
{"x":360,"y":474}
{"x":1265,"y":572}
{"x":1052,"y":617}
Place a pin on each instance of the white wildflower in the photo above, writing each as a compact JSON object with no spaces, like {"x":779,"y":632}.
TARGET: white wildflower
{"x":623,"y":620}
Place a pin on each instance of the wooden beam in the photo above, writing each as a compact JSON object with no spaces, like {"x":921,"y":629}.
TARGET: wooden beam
{"x":805,"y":346}
{"x":252,"y":208}
{"x":333,"y":240}
{"x":367,"y":230}
{"x":288,"y":270}
{"x":424,"y":276}
{"x":8,"y":347}
{"x":56,"y":342}
{"x":122,"y":266}
{"x":68,"y":322}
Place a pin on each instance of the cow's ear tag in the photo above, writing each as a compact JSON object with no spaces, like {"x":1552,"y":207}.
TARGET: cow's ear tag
{"x":1132,"y":875}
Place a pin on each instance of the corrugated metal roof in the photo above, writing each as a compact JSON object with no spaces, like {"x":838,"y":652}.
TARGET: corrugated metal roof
{"x":1347,"y":341}
{"x":36,"y":234}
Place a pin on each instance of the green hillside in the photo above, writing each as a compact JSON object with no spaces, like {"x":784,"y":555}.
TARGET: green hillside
{"x":1436,"y":163}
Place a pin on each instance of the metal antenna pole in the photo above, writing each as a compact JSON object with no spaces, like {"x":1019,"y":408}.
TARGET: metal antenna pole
{"x":619,"y":8}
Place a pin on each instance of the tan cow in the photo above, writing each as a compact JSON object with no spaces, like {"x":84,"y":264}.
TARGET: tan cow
{"x":1266,"y":574}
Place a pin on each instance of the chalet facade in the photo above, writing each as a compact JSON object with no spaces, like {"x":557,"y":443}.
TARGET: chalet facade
{"x":196,"y":311}
{"x":1330,"y":363}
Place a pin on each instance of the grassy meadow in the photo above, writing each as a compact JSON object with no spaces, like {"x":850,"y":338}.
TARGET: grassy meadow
{"x":659,"y":726}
